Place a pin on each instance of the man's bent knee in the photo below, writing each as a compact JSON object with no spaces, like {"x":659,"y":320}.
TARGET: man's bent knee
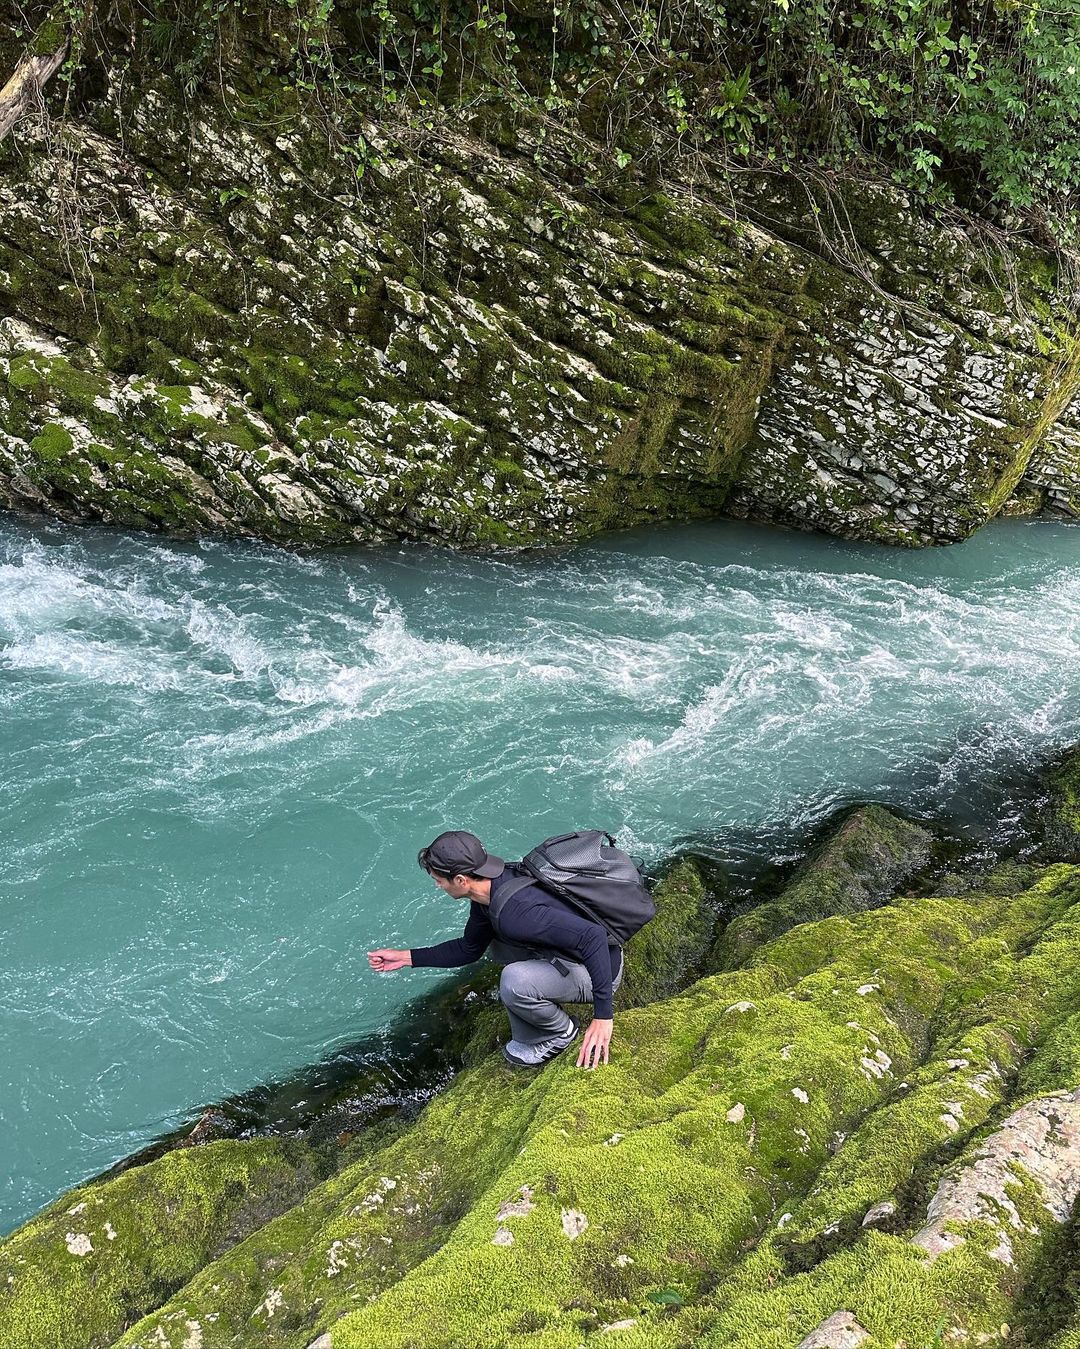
{"x":514,"y":981}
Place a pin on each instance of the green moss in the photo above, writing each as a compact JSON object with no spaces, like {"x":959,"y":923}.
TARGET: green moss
{"x":49,"y":38}
{"x":684,"y":1187}
{"x":660,"y":959}
{"x":859,"y":865}
{"x":75,"y":388}
{"x":358,"y":1232}
{"x":53,"y":443}
{"x":996,"y":1008}
{"x":1059,"y":387}
{"x":24,"y":375}
{"x":1059,"y":818}
{"x":76,"y":1275}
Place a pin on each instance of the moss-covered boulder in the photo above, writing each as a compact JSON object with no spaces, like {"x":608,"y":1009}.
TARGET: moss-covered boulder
{"x":716,"y":1192}
{"x":661,"y":958}
{"x":775,"y":1145}
{"x":110,"y":1251}
{"x":104,"y":1254}
{"x":860,"y":864}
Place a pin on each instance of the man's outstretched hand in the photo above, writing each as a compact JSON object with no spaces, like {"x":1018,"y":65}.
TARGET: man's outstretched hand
{"x":388,"y":960}
{"x":596,"y":1041}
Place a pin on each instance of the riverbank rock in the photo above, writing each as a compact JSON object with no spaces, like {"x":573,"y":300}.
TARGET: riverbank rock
{"x":484,"y":341}
{"x":862,"y":863}
{"x":106,"y":1253}
{"x":1060,"y":817}
{"x":713,"y":1184}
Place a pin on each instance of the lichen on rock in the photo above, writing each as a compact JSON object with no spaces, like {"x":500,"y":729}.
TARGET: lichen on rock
{"x":470,"y":347}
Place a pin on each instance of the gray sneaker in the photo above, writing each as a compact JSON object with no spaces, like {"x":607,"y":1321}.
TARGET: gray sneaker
{"x":520,"y":1055}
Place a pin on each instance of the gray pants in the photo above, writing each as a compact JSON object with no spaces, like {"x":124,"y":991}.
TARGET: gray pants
{"x":532,"y":990}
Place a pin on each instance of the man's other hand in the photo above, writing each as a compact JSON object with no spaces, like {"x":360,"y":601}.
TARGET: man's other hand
{"x":388,"y":960}
{"x":596,"y":1041}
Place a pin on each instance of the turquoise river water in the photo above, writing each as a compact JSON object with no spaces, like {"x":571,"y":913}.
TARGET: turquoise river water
{"x":218,"y":761}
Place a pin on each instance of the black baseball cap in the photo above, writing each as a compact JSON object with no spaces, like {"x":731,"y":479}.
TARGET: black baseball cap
{"x":459,"y":853}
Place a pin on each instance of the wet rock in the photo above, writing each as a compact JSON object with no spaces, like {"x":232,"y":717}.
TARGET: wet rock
{"x":211,"y":1124}
{"x":1060,"y":816}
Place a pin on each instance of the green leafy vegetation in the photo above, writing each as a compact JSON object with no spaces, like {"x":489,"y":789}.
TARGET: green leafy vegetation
{"x":973,"y":104}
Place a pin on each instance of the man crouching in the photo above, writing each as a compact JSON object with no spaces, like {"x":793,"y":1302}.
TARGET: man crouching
{"x":551,"y":954}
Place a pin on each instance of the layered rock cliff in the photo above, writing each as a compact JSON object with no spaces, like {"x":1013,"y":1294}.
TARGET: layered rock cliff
{"x":212,"y":323}
{"x":862,"y":1131}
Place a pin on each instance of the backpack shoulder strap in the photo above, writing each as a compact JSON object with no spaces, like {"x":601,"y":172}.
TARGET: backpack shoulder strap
{"x":506,"y":891}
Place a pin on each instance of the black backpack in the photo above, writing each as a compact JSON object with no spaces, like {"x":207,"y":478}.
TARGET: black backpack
{"x":602,"y":883}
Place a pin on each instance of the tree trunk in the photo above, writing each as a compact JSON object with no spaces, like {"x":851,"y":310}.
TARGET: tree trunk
{"x":34,"y":69}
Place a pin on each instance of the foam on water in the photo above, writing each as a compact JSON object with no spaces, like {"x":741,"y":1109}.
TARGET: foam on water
{"x":220,"y":759}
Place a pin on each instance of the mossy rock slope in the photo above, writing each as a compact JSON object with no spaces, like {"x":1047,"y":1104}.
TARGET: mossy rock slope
{"x":860,"y":864}
{"x":864,"y":1134}
{"x":107,"y":1252}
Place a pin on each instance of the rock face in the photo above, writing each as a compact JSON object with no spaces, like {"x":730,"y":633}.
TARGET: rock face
{"x":476,"y":345}
{"x":1040,"y":1141}
{"x":836,"y":1143}
{"x":840,"y":1331}
{"x":1060,"y":823}
{"x":858,"y":866}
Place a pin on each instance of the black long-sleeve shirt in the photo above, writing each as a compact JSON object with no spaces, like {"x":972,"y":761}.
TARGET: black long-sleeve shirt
{"x":534,"y":918}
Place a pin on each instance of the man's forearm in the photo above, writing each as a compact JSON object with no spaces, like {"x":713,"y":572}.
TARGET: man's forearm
{"x":446,"y":954}
{"x":388,"y":959}
{"x":598,"y":963}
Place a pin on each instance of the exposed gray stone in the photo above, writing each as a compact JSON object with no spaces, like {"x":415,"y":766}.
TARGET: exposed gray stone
{"x":839,"y":1331}
{"x":1039,"y":1142}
